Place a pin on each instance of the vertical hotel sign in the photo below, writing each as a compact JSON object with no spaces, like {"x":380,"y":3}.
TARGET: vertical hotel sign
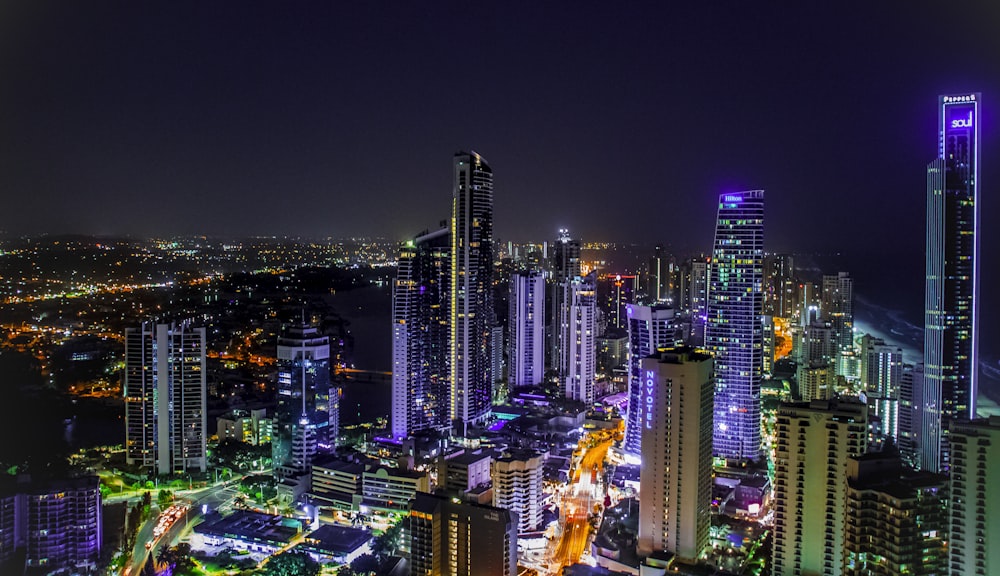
{"x":648,"y":389}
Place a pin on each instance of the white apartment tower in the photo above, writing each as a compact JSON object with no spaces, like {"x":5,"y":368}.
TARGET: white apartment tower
{"x":975,"y":475}
{"x":649,"y":327}
{"x":527,"y":329}
{"x":517,"y":486}
{"x":675,"y":479}
{"x":165,"y":397}
{"x":579,"y":339}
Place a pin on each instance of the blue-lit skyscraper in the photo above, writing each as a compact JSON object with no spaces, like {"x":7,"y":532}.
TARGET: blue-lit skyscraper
{"x":471,"y":294}
{"x":734,"y":332}
{"x":305,"y":418}
{"x":649,"y":328}
{"x":951,"y":308}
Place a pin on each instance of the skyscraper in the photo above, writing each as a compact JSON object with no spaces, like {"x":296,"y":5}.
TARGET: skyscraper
{"x":527,"y":329}
{"x":676,"y":475}
{"x":303,"y":417}
{"x":421,"y":391}
{"x":564,"y":266}
{"x":734,"y":333}
{"x":814,"y":442}
{"x":952,"y":285}
{"x":517,"y":487}
{"x":579,"y":338}
{"x":838,"y":307}
{"x":471,"y":294}
{"x":649,"y":328}
{"x":882,"y":378}
{"x":165,"y":397}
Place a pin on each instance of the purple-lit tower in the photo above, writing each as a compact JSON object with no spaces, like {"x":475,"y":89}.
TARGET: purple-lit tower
{"x":951,"y":309}
{"x":733,"y":332}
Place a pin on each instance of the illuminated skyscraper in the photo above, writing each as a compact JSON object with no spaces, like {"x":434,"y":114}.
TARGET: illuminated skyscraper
{"x":421,"y":394}
{"x":564,"y":266}
{"x":814,"y":442}
{"x":579,"y":336}
{"x":952,"y":278}
{"x":304,"y":416}
{"x":676,"y":475}
{"x":471,"y":294}
{"x":975,"y":524}
{"x":734,"y":332}
{"x":527,"y":329}
{"x":165,"y":397}
{"x":649,"y":328}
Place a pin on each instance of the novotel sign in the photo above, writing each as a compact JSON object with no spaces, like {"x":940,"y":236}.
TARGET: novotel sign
{"x":649,"y":386}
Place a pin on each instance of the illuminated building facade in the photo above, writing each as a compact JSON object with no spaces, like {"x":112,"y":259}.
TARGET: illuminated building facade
{"x":975,"y":475}
{"x":579,"y":339}
{"x":882,"y":379}
{"x":526,"y":323}
{"x":734,"y":332}
{"x":951,"y":306}
{"x":675,"y":479}
{"x":57,"y":524}
{"x":449,"y":537}
{"x":471,"y":293}
{"x":649,"y":328}
{"x":165,"y":397}
{"x":517,"y":486}
{"x":814,"y":442}
{"x":305,"y":416}
{"x":421,"y":392}
{"x":564,"y":266}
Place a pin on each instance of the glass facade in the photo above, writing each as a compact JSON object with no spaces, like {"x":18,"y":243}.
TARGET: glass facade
{"x":733,"y":332}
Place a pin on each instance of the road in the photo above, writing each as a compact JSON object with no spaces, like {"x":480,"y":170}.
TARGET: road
{"x":577,"y":502}
{"x":213,"y":497}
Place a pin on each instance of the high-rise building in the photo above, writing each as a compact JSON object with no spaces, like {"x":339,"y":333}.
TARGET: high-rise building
{"x":779,"y":285}
{"x":165,"y":397}
{"x":662,"y":278}
{"x":564,"y":266}
{"x":304,"y":418}
{"x":615,"y":292}
{"x":421,"y":390}
{"x":814,"y":442}
{"x":579,"y":339}
{"x":471,"y":294}
{"x":675,"y":479}
{"x":449,"y":537}
{"x":56,"y":524}
{"x":975,"y":475}
{"x":649,"y":328}
{"x":734,"y":333}
{"x":897,"y":519}
{"x":881,"y":379}
{"x":527,"y":329}
{"x":952,"y":279}
{"x":838,"y":307}
{"x":517,"y":486}
{"x":908,"y":429}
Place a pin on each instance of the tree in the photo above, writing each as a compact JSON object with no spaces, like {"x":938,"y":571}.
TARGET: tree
{"x":365,"y":564}
{"x":164,"y":499}
{"x":291,"y":564}
{"x":388,"y":543}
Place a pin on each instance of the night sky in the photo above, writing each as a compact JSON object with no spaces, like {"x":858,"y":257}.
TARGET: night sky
{"x":622,"y":124}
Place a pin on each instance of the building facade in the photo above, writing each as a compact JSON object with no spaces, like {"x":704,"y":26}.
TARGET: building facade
{"x":881,"y":379}
{"x":421,"y":386}
{"x":448,"y":537}
{"x":951,"y":303}
{"x":814,"y":442}
{"x":733,"y":332}
{"x":307,"y":411}
{"x":675,"y":479}
{"x":975,"y":475}
{"x":649,"y":328}
{"x":165,"y":397}
{"x":564,"y":265}
{"x":527,"y":329}
{"x":517,"y":486}
{"x":471,"y":294}
{"x":578,"y":367}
